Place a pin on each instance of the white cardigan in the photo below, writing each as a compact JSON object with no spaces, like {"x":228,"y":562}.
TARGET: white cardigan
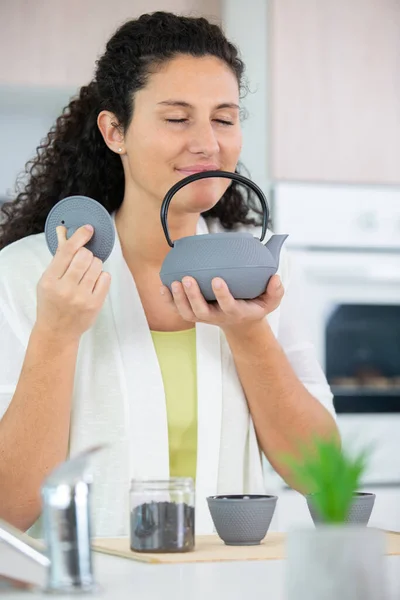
{"x":119,"y":397}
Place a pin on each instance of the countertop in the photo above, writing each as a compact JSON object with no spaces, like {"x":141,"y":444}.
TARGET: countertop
{"x":123,"y":579}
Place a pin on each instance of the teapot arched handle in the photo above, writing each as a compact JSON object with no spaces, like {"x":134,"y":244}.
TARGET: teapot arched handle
{"x":203,"y":175}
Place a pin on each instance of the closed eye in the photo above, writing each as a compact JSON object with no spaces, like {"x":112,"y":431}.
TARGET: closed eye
{"x":222,"y":121}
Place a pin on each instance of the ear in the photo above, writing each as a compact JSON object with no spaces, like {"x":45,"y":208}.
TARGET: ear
{"x":111,"y":131}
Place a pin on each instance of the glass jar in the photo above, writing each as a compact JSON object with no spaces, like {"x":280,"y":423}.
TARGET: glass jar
{"x":162,"y":515}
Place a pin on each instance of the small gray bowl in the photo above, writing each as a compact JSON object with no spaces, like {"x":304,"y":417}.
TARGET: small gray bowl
{"x":242,"y":520}
{"x":360,"y":510}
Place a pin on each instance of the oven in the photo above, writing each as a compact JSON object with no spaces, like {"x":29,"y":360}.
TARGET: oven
{"x":346,"y":242}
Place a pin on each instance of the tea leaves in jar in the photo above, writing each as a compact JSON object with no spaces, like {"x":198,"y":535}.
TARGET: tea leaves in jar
{"x":163,"y":527}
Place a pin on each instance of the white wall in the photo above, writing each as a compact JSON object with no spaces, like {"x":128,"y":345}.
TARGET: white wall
{"x":26,"y":115}
{"x":246,"y":24}
{"x":54,"y":42}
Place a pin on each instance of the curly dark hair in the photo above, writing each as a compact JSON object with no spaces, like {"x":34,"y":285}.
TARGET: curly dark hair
{"x":74,"y":159}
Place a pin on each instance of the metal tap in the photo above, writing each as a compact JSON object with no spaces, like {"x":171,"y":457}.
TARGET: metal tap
{"x":67,"y":527}
{"x":64,"y":562}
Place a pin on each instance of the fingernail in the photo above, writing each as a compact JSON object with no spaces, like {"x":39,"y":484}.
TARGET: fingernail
{"x":175,"y":287}
{"x":162,"y":290}
{"x":217,"y":284}
{"x":187,"y":283}
{"x":89,"y":227}
{"x":278,"y":284}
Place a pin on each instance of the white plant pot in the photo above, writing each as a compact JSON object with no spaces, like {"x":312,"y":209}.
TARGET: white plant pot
{"x":334,"y":562}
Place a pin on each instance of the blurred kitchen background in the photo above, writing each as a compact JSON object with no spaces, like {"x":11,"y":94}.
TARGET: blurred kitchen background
{"x":322,"y":138}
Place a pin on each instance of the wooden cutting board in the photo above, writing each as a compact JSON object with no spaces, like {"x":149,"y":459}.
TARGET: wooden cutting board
{"x":210,"y":548}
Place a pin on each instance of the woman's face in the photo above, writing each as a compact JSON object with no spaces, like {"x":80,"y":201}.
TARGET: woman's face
{"x":184,"y":121}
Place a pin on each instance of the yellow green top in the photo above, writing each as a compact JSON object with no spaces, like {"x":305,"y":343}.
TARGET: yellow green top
{"x":176,"y":352}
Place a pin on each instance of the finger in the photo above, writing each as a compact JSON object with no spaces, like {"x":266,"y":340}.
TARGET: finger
{"x":68,"y":248}
{"x":91,"y":276}
{"x":275,"y":287}
{"x":182,"y":303}
{"x":80,"y":264}
{"x":102,"y":286}
{"x":167,"y":297}
{"x":61,"y":232}
{"x":274,"y":293}
{"x":226,"y":301}
{"x":197,"y":302}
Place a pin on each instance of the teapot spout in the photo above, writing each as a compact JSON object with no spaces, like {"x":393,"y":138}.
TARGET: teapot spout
{"x":274,"y":245}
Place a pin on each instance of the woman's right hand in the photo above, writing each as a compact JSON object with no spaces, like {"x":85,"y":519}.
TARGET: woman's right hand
{"x":73,"y":288}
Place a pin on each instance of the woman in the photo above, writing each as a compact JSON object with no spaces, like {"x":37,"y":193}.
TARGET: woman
{"x":97,"y":354}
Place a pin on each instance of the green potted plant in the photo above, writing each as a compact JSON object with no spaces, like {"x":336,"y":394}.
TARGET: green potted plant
{"x":340,"y":557}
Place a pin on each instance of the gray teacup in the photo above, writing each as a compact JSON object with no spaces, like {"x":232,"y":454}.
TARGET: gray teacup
{"x":360,"y":510}
{"x":242,"y":520}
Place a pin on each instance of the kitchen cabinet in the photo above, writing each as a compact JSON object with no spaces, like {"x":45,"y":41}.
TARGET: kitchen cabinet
{"x":54,"y":43}
{"x":334,"y":80}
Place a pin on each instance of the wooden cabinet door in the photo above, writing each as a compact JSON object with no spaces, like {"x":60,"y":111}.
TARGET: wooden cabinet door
{"x":335,"y":90}
{"x":55,"y":42}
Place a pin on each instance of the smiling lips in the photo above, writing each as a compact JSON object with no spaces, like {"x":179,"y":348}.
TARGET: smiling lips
{"x":192,"y":169}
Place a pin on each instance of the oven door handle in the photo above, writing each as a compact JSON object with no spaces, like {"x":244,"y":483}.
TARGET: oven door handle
{"x":326,"y":274}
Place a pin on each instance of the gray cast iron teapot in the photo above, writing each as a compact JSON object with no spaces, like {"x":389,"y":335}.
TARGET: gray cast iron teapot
{"x":240,"y":259}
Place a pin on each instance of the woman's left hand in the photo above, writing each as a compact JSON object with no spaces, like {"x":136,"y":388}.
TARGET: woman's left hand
{"x":226,"y":312}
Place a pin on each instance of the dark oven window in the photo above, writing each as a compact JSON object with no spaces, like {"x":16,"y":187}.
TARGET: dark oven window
{"x":362,"y":350}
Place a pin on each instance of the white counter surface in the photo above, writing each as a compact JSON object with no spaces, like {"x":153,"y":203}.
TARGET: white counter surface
{"x":123,"y":579}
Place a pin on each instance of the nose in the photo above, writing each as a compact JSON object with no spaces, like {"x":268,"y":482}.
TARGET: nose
{"x":203,"y":140}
